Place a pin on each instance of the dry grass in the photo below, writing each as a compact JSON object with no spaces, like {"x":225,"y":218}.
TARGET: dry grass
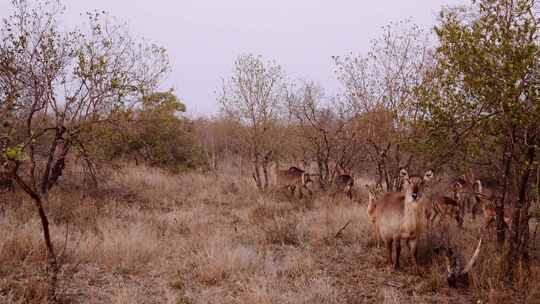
{"x":146,"y":236}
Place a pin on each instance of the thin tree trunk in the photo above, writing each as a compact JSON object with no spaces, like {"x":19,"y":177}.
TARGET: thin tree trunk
{"x":265,"y":174}
{"x":520,"y":223}
{"x":499,"y":207}
{"x":51,"y":255}
{"x":257,"y":174}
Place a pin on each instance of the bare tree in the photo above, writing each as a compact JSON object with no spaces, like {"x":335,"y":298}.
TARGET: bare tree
{"x":326,"y":131}
{"x":253,"y":96}
{"x":379,"y":87}
{"x":55,"y":85}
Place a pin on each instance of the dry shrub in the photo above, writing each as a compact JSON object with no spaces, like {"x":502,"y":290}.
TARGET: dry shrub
{"x":22,"y":260}
{"x":31,"y":290}
{"x":218,"y":260}
{"x":124,"y":249}
{"x":389,"y":295}
{"x":21,"y":243}
{"x":124,"y":294}
{"x":266,"y":209}
{"x":282,"y":231}
{"x":256,"y":293}
{"x":323,"y":223}
{"x":315,"y":290}
{"x":296,"y":264}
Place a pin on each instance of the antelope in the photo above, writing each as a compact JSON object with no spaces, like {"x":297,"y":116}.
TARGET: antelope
{"x":397,"y":217}
{"x":443,"y":207}
{"x":344,"y":183}
{"x":489,"y":213}
{"x":485,"y":197}
{"x":293,"y":179}
{"x":425,"y":179}
{"x":457,"y":276}
{"x":371,"y":207}
{"x":463,"y":192}
{"x":399,"y":181}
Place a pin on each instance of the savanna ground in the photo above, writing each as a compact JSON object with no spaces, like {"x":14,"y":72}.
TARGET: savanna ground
{"x":145,"y":236}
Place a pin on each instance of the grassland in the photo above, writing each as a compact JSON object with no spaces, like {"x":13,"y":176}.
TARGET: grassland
{"x":145,"y":236}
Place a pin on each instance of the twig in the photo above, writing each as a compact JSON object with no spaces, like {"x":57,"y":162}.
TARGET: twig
{"x":394,"y":284}
{"x":342,"y":228}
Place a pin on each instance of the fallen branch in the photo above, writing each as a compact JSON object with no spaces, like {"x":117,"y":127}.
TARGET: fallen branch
{"x":342,"y":228}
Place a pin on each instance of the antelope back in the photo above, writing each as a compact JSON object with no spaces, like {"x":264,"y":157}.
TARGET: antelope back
{"x":343,"y":181}
{"x":292,"y":176}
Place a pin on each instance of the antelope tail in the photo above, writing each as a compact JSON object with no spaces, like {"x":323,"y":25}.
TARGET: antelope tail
{"x":473,"y":259}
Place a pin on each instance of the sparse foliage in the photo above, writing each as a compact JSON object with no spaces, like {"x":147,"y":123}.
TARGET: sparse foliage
{"x":253,"y":96}
{"x":380,"y":90}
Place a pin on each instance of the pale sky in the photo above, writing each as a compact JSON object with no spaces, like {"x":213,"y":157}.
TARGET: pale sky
{"x":203,"y":37}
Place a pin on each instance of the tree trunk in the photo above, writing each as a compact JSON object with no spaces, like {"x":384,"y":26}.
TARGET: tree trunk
{"x":520,"y":220}
{"x":499,"y":207}
{"x":53,"y":267}
{"x":265,"y":174}
{"x":257,"y":174}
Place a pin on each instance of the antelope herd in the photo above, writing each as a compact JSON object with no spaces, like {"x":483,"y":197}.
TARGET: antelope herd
{"x":415,"y":207}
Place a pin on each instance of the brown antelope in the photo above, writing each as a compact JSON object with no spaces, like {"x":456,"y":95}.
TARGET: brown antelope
{"x":424,"y":179}
{"x":373,"y":192}
{"x":397,"y":217}
{"x":458,"y":276}
{"x":443,"y":207}
{"x":399,"y":180}
{"x":489,"y":212}
{"x":485,"y":197}
{"x":293,"y":179}
{"x":344,"y":183}
{"x":463,"y":192}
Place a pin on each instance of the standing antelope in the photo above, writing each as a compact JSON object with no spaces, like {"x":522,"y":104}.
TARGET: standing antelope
{"x":463,"y":192}
{"x":344,"y":183}
{"x":397,"y":217}
{"x":371,"y":207}
{"x":485,"y":197}
{"x":489,"y":213}
{"x":293,"y":179}
{"x":442,"y":207}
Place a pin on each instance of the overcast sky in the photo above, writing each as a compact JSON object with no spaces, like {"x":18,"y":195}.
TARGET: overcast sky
{"x":203,"y":37}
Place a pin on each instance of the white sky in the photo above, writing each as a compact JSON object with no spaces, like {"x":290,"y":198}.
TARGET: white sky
{"x":203,"y":37}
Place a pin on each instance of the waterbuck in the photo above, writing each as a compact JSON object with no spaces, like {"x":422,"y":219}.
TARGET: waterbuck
{"x":293,"y":179}
{"x":344,"y":183}
{"x":443,"y":207}
{"x":397,"y":217}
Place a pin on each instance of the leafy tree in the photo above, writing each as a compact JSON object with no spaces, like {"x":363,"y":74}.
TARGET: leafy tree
{"x":154,"y":131}
{"x":484,"y":96}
